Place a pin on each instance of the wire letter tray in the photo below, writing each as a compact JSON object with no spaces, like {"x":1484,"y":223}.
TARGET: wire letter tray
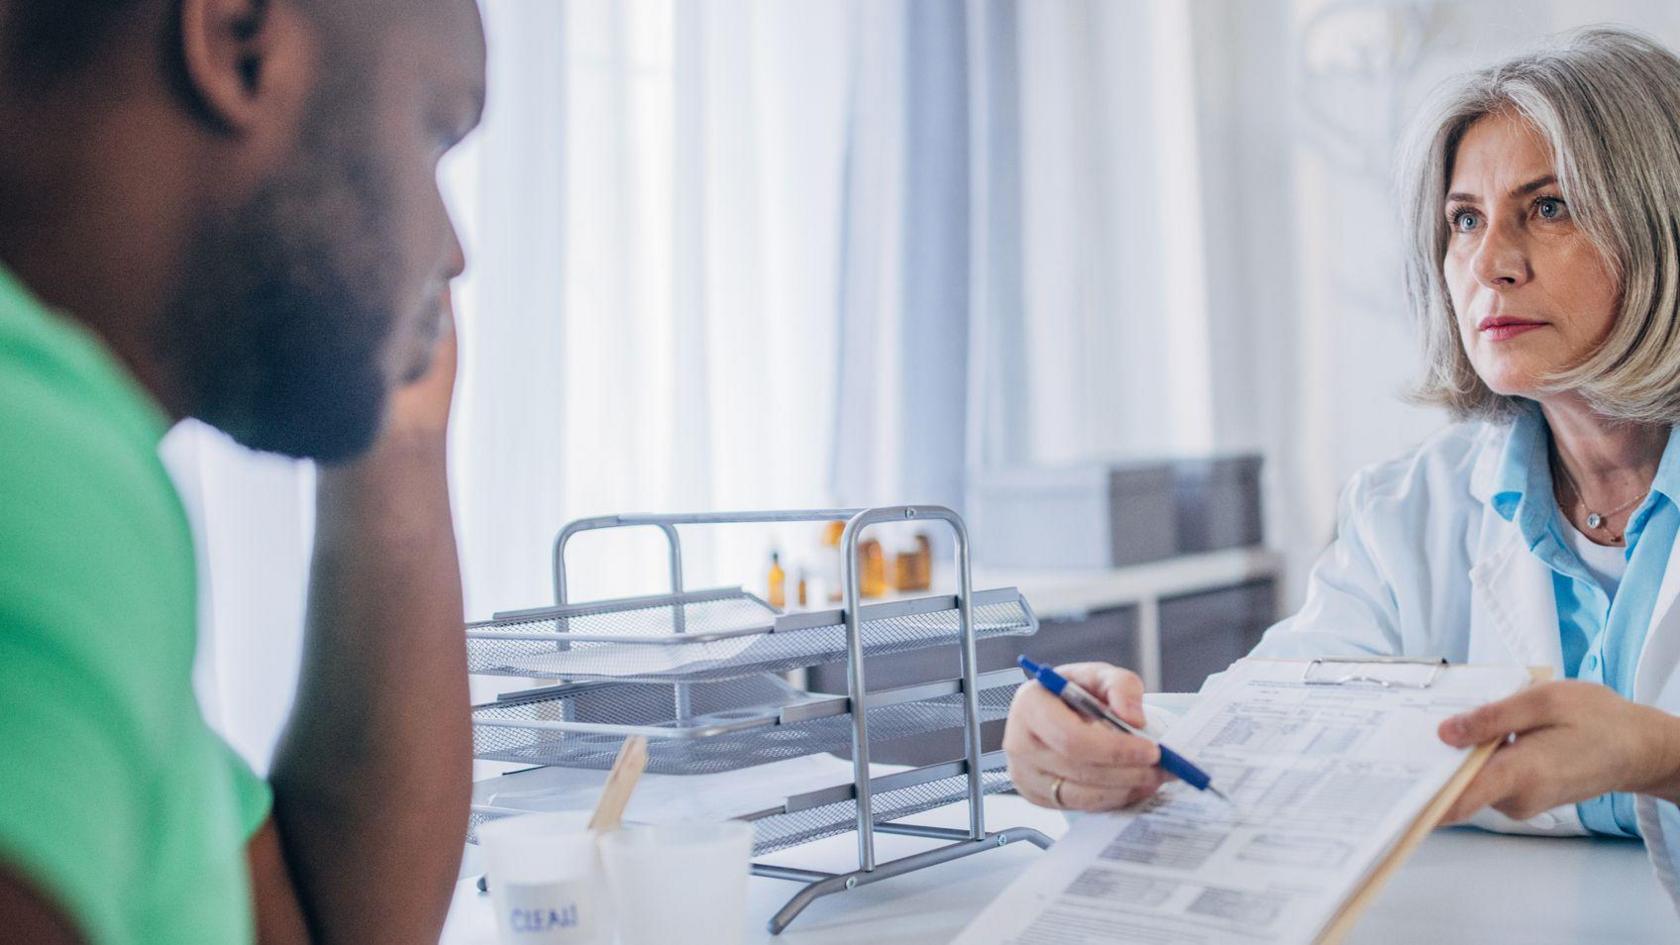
{"x":694,"y":673}
{"x":736,"y":723}
{"x":719,"y":634}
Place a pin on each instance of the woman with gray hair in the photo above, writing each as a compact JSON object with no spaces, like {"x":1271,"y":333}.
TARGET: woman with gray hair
{"x":1542,"y":220}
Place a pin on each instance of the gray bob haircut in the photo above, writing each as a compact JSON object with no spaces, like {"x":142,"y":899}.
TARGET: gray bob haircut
{"x":1608,"y":103}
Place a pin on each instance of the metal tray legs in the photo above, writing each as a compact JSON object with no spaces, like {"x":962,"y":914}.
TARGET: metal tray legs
{"x":820,"y":884}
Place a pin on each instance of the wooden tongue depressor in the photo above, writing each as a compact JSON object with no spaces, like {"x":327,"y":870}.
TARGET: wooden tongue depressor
{"x":615,"y":795}
{"x":626,"y":770}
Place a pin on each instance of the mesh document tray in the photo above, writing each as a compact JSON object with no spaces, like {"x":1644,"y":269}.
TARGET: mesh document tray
{"x":808,"y":817}
{"x":719,"y":634}
{"x":731,"y":724}
{"x":814,"y":816}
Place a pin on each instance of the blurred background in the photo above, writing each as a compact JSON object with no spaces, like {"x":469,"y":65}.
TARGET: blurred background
{"x":738,"y":254}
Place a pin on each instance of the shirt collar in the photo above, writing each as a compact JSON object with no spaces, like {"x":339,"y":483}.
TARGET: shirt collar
{"x":1665,"y":485}
{"x":1522,"y":485}
{"x":1667,"y":482}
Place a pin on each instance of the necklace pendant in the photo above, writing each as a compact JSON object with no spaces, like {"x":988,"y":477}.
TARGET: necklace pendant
{"x":1594,"y":520}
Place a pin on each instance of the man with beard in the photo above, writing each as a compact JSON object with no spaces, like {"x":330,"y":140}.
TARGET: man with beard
{"x":228,"y":209}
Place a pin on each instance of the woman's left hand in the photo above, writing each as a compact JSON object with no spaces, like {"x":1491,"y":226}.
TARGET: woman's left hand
{"x":1573,"y":741}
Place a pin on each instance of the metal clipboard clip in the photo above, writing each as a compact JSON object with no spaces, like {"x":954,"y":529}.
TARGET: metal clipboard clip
{"x":1365,"y":679}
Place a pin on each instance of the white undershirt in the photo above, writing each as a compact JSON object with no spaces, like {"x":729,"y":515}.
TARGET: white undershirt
{"x":1606,"y":563}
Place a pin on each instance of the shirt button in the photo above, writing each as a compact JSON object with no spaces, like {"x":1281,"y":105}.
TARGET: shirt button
{"x":1592,"y":661}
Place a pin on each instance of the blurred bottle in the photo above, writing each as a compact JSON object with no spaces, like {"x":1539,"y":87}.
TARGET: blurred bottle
{"x":913,"y":565}
{"x":778,"y":582}
{"x":904,"y":568}
{"x":872,"y":568}
{"x":799,"y":593}
{"x":831,"y":560}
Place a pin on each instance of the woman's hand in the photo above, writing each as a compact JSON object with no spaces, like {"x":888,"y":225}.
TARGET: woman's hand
{"x":1573,"y":741}
{"x":1058,"y":758}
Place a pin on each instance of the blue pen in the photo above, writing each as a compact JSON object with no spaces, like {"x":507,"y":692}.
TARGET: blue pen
{"x":1091,"y":707}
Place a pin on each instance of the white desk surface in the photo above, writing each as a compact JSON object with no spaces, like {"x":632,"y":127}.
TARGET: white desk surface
{"x":1462,"y":886}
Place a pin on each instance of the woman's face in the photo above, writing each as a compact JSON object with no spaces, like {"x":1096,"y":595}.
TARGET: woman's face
{"x":1532,"y":294}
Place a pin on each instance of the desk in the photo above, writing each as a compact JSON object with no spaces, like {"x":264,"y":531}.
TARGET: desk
{"x":1462,"y":887}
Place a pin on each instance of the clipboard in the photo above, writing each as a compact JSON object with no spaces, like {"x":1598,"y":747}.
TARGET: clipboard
{"x":1289,"y":746}
{"x":1355,"y":905}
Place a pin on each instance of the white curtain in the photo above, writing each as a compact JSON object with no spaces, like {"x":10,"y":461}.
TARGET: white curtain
{"x":253,"y":523}
{"x":746,"y":253}
{"x":650,"y":310}
{"x":1094,"y":309}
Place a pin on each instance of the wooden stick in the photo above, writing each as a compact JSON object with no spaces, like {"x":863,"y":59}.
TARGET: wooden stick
{"x":626,"y":771}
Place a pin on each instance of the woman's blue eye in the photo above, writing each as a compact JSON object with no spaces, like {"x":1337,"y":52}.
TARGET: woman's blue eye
{"x":1464,"y":221}
{"x":1549,"y":208}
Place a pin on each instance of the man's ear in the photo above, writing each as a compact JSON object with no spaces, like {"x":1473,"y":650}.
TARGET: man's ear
{"x":244,"y":59}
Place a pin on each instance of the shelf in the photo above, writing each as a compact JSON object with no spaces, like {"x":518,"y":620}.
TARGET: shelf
{"x":713,"y":635}
{"x":728,"y":725}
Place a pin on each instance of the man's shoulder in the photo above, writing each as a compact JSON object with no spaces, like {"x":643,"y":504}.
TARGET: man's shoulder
{"x":94,"y":546}
{"x":58,"y":379}
{"x":69,"y":448}
{"x":72,"y":419}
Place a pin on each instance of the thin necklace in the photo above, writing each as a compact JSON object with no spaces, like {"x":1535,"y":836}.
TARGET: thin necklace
{"x":1597,"y":519}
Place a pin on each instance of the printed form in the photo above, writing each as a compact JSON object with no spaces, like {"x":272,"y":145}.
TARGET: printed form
{"x":1326,"y":780}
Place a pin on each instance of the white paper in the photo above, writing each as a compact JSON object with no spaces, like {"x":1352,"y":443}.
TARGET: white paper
{"x":634,"y":659}
{"x":1325,"y":779}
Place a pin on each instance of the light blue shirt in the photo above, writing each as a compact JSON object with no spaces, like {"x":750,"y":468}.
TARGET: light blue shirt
{"x":1601,"y":635}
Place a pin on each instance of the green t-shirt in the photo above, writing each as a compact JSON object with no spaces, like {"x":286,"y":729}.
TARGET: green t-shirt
{"x":116,"y":800}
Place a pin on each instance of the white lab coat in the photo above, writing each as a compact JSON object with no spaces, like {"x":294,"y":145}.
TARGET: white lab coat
{"x":1423,"y":565}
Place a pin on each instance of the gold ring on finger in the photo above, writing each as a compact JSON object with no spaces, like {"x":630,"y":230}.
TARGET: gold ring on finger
{"x":1056,"y":793}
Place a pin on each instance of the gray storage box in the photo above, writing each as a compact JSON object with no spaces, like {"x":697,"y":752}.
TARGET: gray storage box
{"x":1218,"y":502}
{"x":1108,"y":515}
{"x":1091,"y":516}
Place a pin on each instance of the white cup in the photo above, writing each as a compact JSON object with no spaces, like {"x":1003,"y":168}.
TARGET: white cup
{"x":545,"y":880}
{"x":683,"y":882}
